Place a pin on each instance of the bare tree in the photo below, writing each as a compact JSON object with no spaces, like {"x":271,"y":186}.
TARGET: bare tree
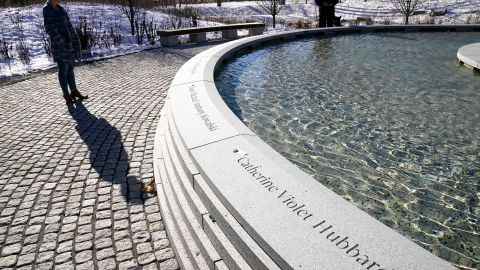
{"x":273,"y":7}
{"x":130,"y":9}
{"x":407,"y":7}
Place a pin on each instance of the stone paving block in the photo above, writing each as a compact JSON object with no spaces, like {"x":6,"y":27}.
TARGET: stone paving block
{"x":83,"y":256}
{"x":27,"y":249}
{"x":52,"y":228}
{"x":103,"y":233}
{"x":121,"y":214}
{"x":124,"y":244}
{"x":146,"y":258}
{"x":170,"y":264}
{"x":8,"y":261}
{"x":103,"y":243}
{"x":83,"y":246}
{"x":44,"y":266}
{"x":31,"y":239}
{"x":85,"y":266}
{"x":85,"y":220}
{"x":161,"y":244}
{"x":48,"y":246}
{"x":157,"y":226}
{"x":108,"y":264}
{"x":128,"y":265}
{"x":140,"y":226}
{"x":124,"y":255}
{"x":66,"y":236}
{"x":119,"y":235}
{"x":65,"y":266}
{"x":65,"y":246}
{"x":11,"y":249}
{"x":144,"y":248}
{"x":105,"y":253}
{"x":26,"y":259}
{"x":45,"y":256}
{"x":152,"y":266}
{"x":164,"y":254}
{"x":11,"y":239}
{"x":63,"y":257}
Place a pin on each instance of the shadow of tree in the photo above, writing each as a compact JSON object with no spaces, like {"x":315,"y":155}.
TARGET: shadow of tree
{"x":107,"y":154}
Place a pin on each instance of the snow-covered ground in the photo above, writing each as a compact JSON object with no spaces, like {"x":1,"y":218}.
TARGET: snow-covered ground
{"x":106,"y":17}
{"x":459,"y":11}
{"x":103,"y":17}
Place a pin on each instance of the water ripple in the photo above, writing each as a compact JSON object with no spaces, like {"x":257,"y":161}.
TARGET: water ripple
{"x":388,"y":121}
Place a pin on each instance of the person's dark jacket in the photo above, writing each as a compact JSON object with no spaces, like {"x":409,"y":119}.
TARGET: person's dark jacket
{"x":65,"y":42}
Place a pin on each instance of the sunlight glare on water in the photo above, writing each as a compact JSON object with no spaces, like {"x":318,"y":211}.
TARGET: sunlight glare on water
{"x":390,"y":122}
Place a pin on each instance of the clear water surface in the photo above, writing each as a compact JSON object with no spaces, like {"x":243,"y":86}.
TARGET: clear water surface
{"x":390,"y":122}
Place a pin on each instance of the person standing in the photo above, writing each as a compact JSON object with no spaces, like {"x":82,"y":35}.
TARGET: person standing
{"x":327,"y":12}
{"x":65,"y":47}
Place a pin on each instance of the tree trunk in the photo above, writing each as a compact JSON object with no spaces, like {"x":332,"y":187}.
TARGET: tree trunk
{"x":273,"y":20}
{"x":132,"y":17}
{"x":219,"y":3}
{"x":406,"y":18}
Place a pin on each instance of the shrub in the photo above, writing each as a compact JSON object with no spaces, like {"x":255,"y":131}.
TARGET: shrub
{"x":116,"y":38}
{"x":23,"y":52}
{"x":185,"y":12}
{"x":86,"y":33}
{"x":299,"y":24}
{"x":47,"y":46}
{"x":174,"y":22}
{"x":5,"y":50}
{"x":17,"y":22}
{"x":140,"y":26}
{"x":150,"y":30}
{"x":472,"y":19}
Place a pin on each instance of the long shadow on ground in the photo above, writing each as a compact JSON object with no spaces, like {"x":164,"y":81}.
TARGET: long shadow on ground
{"x":107,"y":154}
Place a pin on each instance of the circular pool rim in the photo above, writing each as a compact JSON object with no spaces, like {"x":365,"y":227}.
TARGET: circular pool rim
{"x":219,"y":163}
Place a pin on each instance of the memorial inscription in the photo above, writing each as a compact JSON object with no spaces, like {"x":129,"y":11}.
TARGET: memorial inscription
{"x":319,"y":225}
{"x":200,"y":111}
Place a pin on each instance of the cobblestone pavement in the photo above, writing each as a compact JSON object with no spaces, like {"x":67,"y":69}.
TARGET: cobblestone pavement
{"x":71,"y":177}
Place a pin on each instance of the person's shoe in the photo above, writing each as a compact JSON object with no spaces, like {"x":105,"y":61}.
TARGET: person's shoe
{"x":68,"y":99}
{"x":76,"y":94}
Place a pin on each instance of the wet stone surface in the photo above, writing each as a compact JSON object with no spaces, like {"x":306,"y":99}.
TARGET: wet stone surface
{"x":71,"y":177}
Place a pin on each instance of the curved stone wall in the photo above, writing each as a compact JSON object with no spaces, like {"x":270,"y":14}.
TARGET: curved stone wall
{"x":231,"y":202}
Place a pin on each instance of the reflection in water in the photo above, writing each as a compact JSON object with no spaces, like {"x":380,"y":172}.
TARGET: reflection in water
{"x":107,"y":154}
{"x":389,"y":123}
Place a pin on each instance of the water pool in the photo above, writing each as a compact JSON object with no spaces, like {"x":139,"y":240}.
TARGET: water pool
{"x":390,"y":122}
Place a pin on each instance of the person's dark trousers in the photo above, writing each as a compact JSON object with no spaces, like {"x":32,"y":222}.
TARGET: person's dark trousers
{"x":323,"y":17}
{"x":330,"y":15}
{"x":66,"y":77}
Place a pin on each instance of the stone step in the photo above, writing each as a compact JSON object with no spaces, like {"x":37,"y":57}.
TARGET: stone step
{"x":192,"y":249}
{"x":173,"y":234}
{"x":206,"y":248}
{"x":243,"y":242}
{"x":225,"y":248}
{"x":181,"y":149}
